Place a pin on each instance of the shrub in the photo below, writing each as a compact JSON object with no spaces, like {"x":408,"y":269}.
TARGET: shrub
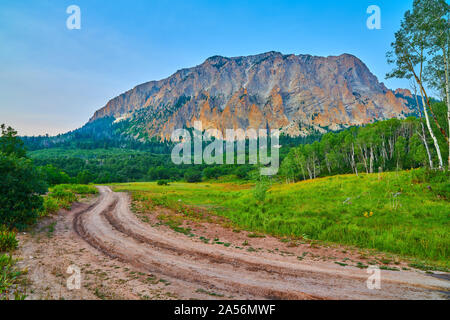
{"x":211,"y":173}
{"x":62,"y":196}
{"x":21,"y":184}
{"x":163,"y":183}
{"x":50,"y":206}
{"x":8,"y":241}
{"x":242,"y":172}
{"x":192,"y":176}
{"x":54,"y":176}
{"x":20,"y":189}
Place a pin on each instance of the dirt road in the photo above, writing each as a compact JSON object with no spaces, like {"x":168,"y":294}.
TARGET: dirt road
{"x":107,"y":234}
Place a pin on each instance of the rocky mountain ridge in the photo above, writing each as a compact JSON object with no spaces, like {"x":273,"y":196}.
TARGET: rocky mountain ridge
{"x":294,"y":93}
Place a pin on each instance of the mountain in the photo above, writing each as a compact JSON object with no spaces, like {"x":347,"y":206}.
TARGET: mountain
{"x":294,"y":93}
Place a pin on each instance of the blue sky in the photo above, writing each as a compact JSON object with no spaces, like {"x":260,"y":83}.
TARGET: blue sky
{"x":53,"y":79}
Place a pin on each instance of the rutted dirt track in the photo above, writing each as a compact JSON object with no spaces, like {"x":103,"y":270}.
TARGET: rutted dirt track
{"x":110,"y":227}
{"x":126,"y":255}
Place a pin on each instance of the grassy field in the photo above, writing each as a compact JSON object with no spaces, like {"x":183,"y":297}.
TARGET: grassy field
{"x":405,"y":213}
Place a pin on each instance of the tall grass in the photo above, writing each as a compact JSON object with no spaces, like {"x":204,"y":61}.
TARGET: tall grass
{"x":9,"y":279}
{"x":8,"y":241}
{"x":63,"y":195}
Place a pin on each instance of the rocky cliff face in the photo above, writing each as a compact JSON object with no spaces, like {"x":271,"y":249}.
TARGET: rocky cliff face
{"x":270,"y":90}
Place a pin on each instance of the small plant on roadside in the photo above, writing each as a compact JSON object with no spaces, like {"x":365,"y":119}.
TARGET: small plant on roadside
{"x":8,"y":241}
{"x":9,"y":279}
{"x":255,"y":235}
{"x":62,"y":196}
{"x":50,"y":207}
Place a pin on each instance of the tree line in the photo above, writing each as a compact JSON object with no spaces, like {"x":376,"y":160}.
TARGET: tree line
{"x":382,"y":146}
{"x":128,"y":166}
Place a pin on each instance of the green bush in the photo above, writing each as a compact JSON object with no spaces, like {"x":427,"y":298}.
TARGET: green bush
{"x":62,"y":196}
{"x":163,"y":183}
{"x":51,"y":206}
{"x":20,"y":189}
{"x":65,"y":198}
{"x":53,"y":176}
{"x":8,"y":241}
{"x":242,"y":172}
{"x":192,"y":176}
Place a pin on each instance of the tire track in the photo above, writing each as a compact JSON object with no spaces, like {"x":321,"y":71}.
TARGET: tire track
{"x":109,"y":226}
{"x":184,"y":271}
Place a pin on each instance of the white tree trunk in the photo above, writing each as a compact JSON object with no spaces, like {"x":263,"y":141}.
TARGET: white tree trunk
{"x":436,"y":144}
{"x":353,"y":160}
{"x":371,"y":159}
{"x":423,"y":136}
{"x":424,"y":139}
{"x":364,"y":159}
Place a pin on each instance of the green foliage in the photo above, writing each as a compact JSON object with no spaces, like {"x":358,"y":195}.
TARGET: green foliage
{"x":8,"y":241}
{"x":20,"y":185}
{"x":97,"y":153}
{"x":432,"y":23}
{"x":440,"y":112}
{"x":20,"y":189}
{"x":193,"y":176}
{"x":10,"y":144}
{"x":421,"y":41}
{"x":386,"y":145}
{"x":9,"y":279}
{"x":163,"y":183}
{"x":77,"y":188}
{"x":242,"y":172}
{"x":121,"y":165}
{"x":54,"y":176}
{"x":62,"y":196}
{"x":260,"y":190}
{"x":50,"y":206}
{"x":84,"y":177}
{"x":211,"y":173}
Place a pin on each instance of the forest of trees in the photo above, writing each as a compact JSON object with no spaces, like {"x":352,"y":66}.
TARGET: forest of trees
{"x":102,"y":133}
{"x":123,"y":166}
{"x":382,"y":146}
